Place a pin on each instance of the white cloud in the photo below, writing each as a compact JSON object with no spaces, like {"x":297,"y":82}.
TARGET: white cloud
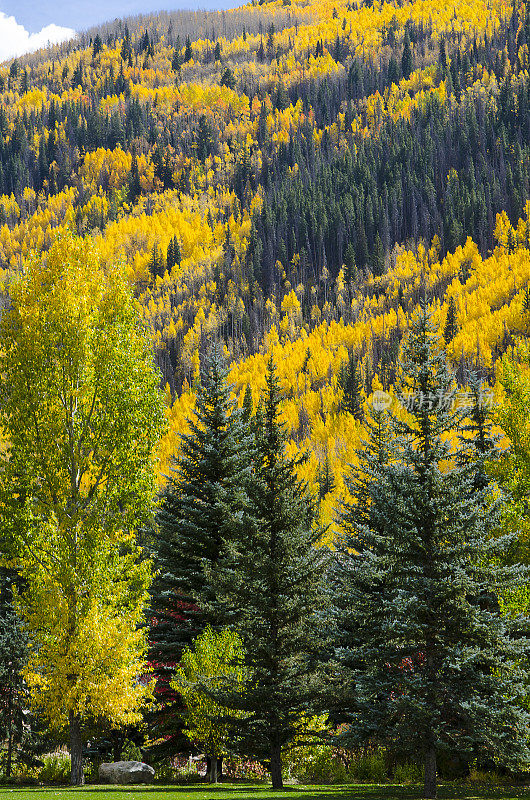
{"x":15,"y":40}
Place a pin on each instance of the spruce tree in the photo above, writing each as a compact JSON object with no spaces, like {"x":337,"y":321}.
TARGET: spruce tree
{"x":424,"y":664}
{"x":350,"y":273}
{"x":326,"y":481}
{"x":377,"y":257}
{"x":351,"y":384}
{"x":451,"y":328}
{"x":189,"y":530}
{"x":14,"y":652}
{"x":248,"y":406}
{"x":188,"y":52}
{"x":135,"y":188}
{"x":407,"y":63}
{"x":174,"y":255}
{"x":268,"y":585}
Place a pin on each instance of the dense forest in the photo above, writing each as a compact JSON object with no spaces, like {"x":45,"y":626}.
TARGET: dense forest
{"x":265,"y":286}
{"x":288,"y":176}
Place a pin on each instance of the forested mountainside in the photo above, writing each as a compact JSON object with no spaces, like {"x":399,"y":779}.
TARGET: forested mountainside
{"x":288,"y":177}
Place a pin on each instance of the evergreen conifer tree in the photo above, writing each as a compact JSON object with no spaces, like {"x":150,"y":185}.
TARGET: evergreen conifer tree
{"x":173,"y":253}
{"x":351,"y":384}
{"x":326,"y":481}
{"x":13,"y":657}
{"x":135,"y":188}
{"x":190,"y":525}
{"x":406,"y":57}
{"x":377,"y":258}
{"x":350,"y":273}
{"x":248,"y":406}
{"x":423,"y":662}
{"x":451,"y":328}
{"x":268,"y":585}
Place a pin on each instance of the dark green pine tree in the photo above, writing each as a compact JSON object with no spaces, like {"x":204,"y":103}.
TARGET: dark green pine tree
{"x":350,"y":273}
{"x":228,"y":79}
{"x":350,"y":382}
{"x":156,"y":264}
{"x":407,"y":63}
{"x":176,"y":63}
{"x":377,"y":257}
{"x":326,"y":481}
{"x":174,"y":255}
{"x":204,"y":139}
{"x":423,"y":663}
{"x":268,"y":584}
{"x":188,"y":52}
{"x":14,"y":651}
{"x":248,"y":406}
{"x":135,"y":188}
{"x":451,"y":327}
{"x":210,"y":466}
{"x":442,"y":59}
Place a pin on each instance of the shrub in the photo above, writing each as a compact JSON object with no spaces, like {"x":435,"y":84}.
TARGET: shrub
{"x":408,"y":773}
{"x":131,"y":752}
{"x":368,"y":765}
{"x":22,"y":775}
{"x":485,"y":777}
{"x":244,"y":769}
{"x":56,"y":768}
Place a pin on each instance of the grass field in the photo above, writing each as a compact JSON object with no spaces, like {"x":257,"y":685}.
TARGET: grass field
{"x":245,"y":792}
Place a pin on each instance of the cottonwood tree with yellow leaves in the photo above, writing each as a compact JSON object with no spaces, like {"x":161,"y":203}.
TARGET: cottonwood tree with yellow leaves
{"x":81,"y":415}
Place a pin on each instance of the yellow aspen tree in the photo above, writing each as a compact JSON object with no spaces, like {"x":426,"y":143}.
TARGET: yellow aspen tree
{"x":81,"y":417}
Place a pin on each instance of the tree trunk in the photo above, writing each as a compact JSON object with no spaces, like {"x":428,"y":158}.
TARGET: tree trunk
{"x":430,"y":791}
{"x":77,"y":776}
{"x":276,"y":767}
{"x":213,"y":769}
{"x":9,"y":759}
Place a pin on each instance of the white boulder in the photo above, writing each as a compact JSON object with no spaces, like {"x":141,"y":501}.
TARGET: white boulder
{"x":124,"y":772}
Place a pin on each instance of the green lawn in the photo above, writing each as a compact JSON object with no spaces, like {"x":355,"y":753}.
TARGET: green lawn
{"x":245,"y":792}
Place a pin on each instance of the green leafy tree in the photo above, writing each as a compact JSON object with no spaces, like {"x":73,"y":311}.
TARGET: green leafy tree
{"x":512,"y":469}
{"x":82,"y":414}
{"x":268,"y":588}
{"x":214,"y":664}
{"x":424,"y":663}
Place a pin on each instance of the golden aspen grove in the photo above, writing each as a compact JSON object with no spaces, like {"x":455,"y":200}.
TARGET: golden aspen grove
{"x":126,"y":142}
{"x":294,"y":182}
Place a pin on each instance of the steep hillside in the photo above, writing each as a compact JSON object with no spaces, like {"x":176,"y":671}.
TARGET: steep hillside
{"x":288,"y":176}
